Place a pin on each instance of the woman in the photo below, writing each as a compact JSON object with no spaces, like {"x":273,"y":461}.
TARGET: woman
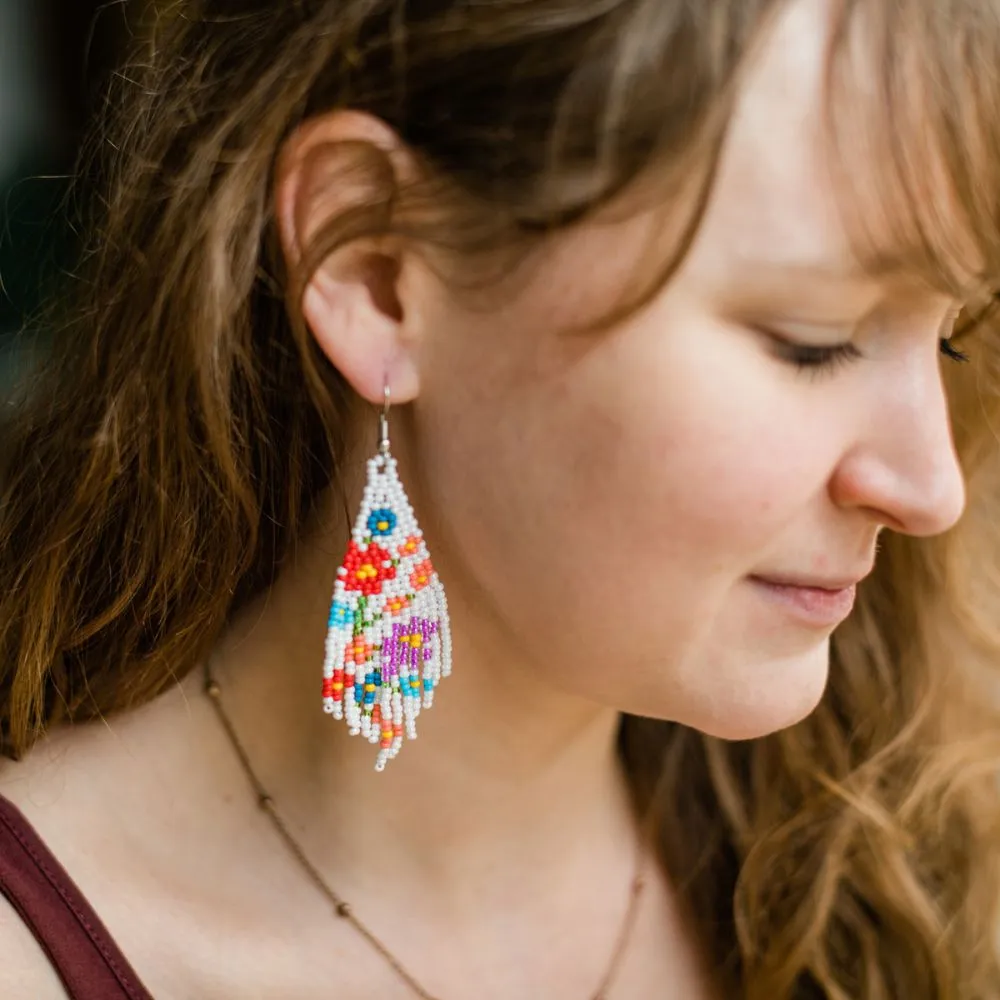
{"x":653,"y":296}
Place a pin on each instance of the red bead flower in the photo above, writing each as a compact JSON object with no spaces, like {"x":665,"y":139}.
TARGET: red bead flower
{"x":367,"y":568}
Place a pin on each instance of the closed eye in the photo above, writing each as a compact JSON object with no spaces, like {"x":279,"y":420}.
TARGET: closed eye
{"x":825,"y":359}
{"x":949,"y":350}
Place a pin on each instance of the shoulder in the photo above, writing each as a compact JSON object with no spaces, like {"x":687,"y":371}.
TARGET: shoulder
{"x":25,"y":970}
{"x":39,"y":815}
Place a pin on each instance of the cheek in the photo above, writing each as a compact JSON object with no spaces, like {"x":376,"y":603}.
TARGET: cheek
{"x":606,"y":509}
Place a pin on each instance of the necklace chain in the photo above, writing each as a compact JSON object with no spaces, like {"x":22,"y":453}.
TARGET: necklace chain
{"x":343,"y":909}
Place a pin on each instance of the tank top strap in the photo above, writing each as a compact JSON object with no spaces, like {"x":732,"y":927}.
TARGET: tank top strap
{"x":51,"y":905}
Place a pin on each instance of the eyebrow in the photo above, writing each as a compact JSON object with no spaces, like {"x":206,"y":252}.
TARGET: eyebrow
{"x":826,"y":272}
{"x":874,"y":267}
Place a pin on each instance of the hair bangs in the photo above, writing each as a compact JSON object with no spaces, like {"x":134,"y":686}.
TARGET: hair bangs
{"x":920,"y":170}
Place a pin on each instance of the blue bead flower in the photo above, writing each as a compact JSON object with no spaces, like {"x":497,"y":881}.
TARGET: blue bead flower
{"x":382,"y":522}
{"x":340,"y":615}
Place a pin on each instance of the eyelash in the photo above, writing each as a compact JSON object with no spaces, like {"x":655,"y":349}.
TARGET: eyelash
{"x":820,"y":360}
{"x":950,"y":351}
{"x":827,"y":359}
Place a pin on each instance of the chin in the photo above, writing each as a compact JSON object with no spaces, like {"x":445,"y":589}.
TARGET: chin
{"x":760,"y":699}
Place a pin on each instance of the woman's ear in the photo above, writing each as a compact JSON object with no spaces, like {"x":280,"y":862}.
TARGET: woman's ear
{"x":357,"y":302}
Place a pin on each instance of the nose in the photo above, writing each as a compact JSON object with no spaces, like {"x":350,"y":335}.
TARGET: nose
{"x":903,"y":466}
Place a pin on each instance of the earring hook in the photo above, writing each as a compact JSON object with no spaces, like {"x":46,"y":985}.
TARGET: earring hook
{"x":384,"y":422}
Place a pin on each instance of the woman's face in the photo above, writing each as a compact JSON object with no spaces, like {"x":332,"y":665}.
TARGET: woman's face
{"x":601,"y":506}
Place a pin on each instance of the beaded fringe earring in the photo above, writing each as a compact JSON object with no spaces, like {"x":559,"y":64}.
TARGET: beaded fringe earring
{"x":389,"y":638}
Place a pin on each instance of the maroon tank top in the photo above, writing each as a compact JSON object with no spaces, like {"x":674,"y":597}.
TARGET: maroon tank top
{"x":78,"y":945}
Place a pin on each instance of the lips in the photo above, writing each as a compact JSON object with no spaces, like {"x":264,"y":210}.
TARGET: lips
{"x":820,"y":606}
{"x":813,"y":583}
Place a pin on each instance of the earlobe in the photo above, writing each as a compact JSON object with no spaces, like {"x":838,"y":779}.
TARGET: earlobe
{"x":363,"y":341}
{"x":339,"y":165}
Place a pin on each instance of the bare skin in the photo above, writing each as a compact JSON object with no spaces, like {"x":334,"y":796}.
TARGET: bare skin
{"x":204,"y":901}
{"x":504,"y":837}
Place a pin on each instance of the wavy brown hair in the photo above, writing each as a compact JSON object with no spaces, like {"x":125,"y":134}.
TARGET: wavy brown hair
{"x":185,"y":427}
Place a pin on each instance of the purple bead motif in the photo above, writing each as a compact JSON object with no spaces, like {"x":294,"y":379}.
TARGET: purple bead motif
{"x":408,"y":644}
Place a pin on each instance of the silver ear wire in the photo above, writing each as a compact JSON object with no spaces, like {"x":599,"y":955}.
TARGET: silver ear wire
{"x":384,"y":423}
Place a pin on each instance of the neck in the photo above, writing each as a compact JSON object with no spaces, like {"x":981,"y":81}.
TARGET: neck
{"x":496,"y":784}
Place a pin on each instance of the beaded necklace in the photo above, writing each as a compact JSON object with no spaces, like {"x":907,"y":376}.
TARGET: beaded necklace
{"x":343,"y":909}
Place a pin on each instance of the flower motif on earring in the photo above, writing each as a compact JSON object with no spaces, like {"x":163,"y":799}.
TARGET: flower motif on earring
{"x":388,"y":642}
